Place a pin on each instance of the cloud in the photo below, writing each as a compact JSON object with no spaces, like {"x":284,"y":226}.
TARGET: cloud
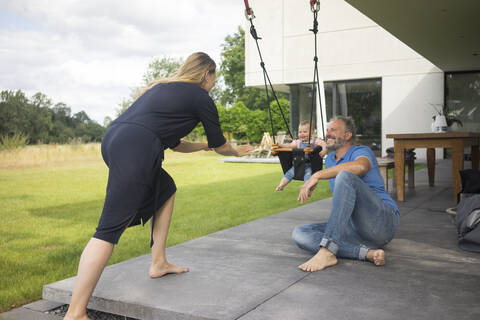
{"x":89,"y":54}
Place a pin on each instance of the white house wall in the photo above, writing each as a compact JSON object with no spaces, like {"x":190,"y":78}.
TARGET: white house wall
{"x":406,"y":105}
{"x":350,"y":46}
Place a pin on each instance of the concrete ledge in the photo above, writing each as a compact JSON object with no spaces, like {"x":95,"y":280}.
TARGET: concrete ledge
{"x":250,"y":160}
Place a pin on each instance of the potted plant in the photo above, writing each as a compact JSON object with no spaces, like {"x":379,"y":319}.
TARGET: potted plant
{"x":445,"y":117}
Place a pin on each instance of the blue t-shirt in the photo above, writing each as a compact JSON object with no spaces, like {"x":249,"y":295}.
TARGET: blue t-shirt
{"x":372,"y":178}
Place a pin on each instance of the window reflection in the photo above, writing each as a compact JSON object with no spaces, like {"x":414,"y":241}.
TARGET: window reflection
{"x":362,"y":100}
{"x":462,"y":98}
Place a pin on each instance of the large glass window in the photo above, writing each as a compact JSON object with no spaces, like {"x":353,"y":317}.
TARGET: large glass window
{"x":300,"y":105}
{"x":462,"y":98}
{"x":361,"y":100}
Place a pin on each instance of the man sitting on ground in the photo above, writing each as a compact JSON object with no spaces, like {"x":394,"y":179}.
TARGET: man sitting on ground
{"x":363,"y":218}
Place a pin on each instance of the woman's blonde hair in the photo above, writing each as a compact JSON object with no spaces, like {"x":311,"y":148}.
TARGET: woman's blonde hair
{"x":194,"y":70}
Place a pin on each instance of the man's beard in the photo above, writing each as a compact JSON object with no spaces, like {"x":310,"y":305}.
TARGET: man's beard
{"x":339,"y":142}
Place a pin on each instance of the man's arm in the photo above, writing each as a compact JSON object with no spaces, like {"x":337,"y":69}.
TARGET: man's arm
{"x":359,"y":167}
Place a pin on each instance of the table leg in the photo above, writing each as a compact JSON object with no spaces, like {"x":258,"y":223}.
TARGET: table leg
{"x":457,"y":165}
{"x":399,"y":151}
{"x":384,"y":174}
{"x":431,"y":166}
{"x":411,"y":173}
{"x":475,"y":157}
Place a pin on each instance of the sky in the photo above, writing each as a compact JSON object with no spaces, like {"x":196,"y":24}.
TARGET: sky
{"x":89,"y":54}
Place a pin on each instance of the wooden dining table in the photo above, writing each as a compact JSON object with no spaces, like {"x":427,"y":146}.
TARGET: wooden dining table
{"x":456,"y":141}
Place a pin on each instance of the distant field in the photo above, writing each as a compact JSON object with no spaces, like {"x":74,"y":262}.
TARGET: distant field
{"x":51,"y":198}
{"x":51,"y":155}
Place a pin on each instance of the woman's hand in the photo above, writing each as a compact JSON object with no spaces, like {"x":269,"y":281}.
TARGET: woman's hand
{"x":307,"y":189}
{"x":228,"y":150}
{"x":244,"y":150}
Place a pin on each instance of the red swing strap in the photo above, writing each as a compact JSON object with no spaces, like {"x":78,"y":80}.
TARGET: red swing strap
{"x":248,"y":11}
{"x":250,"y":16}
{"x":314,"y":5}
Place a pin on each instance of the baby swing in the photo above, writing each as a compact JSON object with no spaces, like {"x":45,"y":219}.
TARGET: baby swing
{"x":291,"y":156}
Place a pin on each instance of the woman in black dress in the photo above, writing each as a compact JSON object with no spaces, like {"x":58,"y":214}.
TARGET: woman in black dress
{"x":138,"y":188}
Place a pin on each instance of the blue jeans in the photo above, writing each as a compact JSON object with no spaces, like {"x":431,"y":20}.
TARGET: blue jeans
{"x":359,"y":221}
{"x":308,"y":173}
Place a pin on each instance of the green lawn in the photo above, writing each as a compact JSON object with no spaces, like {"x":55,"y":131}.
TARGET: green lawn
{"x":48,"y":214}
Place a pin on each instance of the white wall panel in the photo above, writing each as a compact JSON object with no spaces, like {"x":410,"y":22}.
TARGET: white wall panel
{"x":406,"y":105}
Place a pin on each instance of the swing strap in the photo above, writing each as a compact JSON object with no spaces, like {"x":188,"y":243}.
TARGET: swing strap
{"x":315,"y":8}
{"x":250,"y":16}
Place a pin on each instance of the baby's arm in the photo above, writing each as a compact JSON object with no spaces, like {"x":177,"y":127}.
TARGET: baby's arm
{"x":293,"y":144}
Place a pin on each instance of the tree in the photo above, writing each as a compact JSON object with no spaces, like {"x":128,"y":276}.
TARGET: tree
{"x":107,"y":121}
{"x":158,"y":68}
{"x":40,"y":122}
{"x":40,"y":100}
{"x":62,"y":113}
{"x":13,"y":113}
{"x":232,"y":70}
{"x":40,"y":119}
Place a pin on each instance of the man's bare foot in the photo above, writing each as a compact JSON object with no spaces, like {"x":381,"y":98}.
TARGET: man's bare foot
{"x":323,"y":259}
{"x":279,"y":188}
{"x":159,"y":270}
{"x":376,"y":256}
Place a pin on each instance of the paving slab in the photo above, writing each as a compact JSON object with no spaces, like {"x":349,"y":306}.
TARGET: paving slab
{"x":43,"y":305}
{"x":250,"y":160}
{"x":227,"y":278}
{"x":27,"y":314}
{"x":400,"y":290}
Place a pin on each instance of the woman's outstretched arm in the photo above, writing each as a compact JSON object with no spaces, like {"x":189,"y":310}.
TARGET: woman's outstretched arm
{"x":187,"y":147}
{"x":228,"y":150}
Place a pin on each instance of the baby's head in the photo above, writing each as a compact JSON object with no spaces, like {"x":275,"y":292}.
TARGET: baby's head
{"x":303,"y":129}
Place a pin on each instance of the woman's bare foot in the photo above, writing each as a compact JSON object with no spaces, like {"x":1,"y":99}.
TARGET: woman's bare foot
{"x":279,"y":188}
{"x":376,"y":256}
{"x":323,"y":259}
{"x":159,"y":270}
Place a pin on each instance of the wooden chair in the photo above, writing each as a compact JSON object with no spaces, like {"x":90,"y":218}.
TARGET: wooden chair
{"x":265,"y":147}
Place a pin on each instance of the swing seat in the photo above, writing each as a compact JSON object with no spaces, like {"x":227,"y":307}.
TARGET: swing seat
{"x":296,"y":158}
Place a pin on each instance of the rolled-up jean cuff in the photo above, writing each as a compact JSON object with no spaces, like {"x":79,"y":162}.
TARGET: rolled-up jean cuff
{"x":329,"y":245}
{"x":362,"y":253}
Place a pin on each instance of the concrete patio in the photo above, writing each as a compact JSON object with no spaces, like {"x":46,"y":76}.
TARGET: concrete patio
{"x":250,"y":272}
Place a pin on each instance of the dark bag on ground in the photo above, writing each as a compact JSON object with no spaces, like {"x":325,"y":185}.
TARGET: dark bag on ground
{"x":468,"y":223}
{"x":470,"y":182}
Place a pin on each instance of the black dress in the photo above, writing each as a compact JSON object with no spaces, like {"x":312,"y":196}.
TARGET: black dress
{"x":133,"y":149}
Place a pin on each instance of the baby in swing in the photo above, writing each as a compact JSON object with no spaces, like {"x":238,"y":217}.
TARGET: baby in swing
{"x":301,"y":143}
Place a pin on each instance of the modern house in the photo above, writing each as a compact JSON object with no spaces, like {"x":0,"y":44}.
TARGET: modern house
{"x":387,"y":63}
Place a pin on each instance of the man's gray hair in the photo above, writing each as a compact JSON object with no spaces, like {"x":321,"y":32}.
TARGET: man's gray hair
{"x":349,"y":125}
